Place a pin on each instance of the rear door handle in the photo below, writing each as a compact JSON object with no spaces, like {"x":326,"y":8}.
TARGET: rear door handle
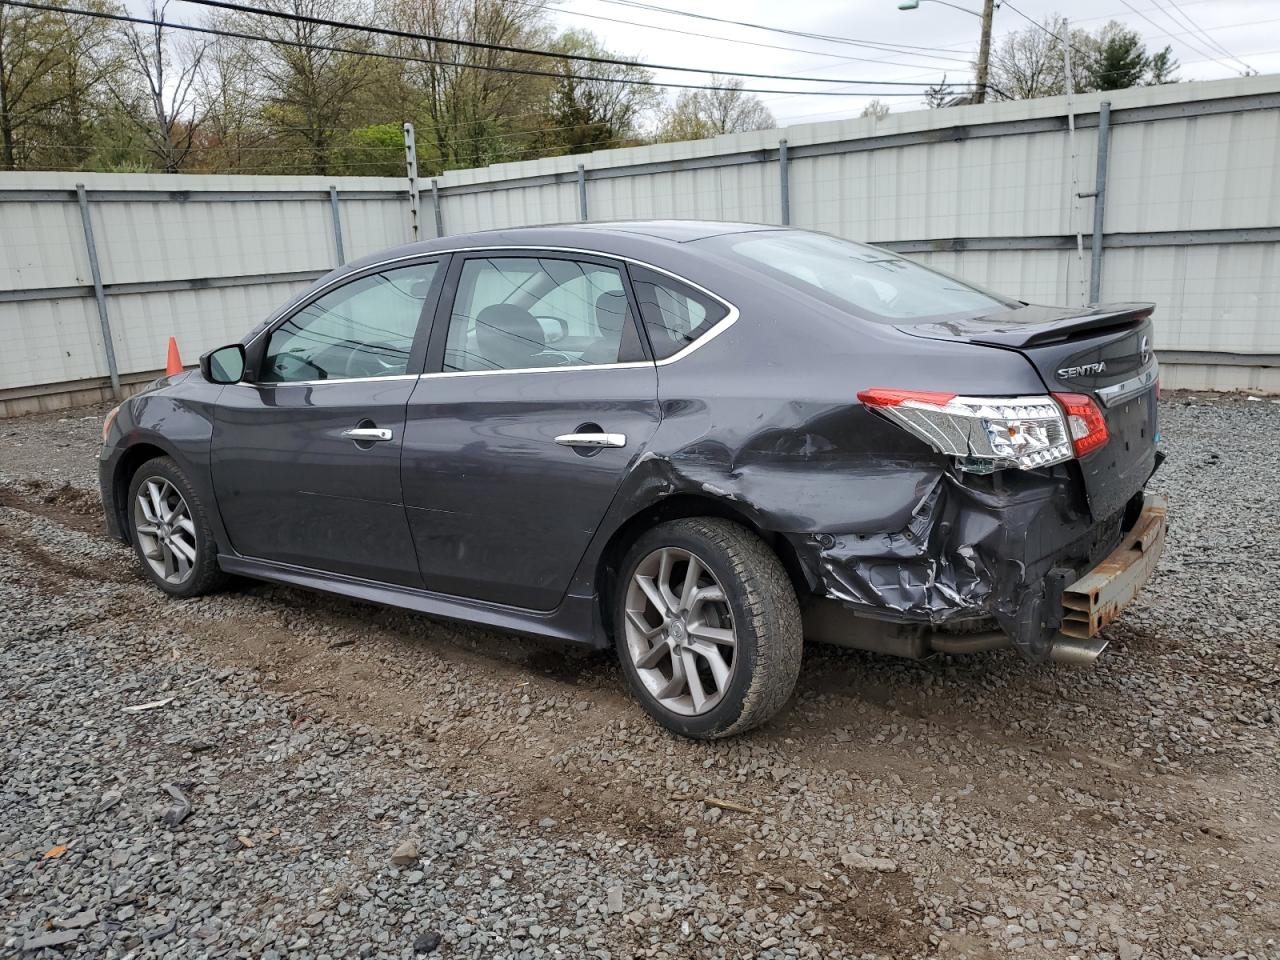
{"x":365,"y":434}
{"x":592,"y":440}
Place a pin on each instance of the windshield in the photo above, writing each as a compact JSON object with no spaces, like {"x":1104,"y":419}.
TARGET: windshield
{"x":869,"y":281}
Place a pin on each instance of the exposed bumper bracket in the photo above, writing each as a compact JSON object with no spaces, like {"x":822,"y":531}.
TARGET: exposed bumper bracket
{"x":1097,"y":598}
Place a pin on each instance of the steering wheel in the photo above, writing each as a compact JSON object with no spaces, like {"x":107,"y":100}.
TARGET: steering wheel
{"x":290,"y":367}
{"x":370,"y":360}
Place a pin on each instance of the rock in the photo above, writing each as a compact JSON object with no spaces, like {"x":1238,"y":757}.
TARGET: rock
{"x":55,"y":939}
{"x":426,"y":942}
{"x":81,"y":919}
{"x":857,"y":861}
{"x":405,"y":854}
{"x":181,"y":808}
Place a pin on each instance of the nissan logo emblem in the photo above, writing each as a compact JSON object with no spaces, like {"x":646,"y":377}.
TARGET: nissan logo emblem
{"x":1144,"y":349}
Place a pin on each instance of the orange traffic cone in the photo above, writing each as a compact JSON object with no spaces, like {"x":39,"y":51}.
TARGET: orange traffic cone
{"x":175,"y":361}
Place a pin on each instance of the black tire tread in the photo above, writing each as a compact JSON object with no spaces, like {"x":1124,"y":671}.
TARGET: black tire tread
{"x":774,"y":618}
{"x":209,"y":577}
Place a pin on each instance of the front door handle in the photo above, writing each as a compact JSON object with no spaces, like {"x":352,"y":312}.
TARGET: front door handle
{"x":366,"y":434}
{"x":592,"y":440}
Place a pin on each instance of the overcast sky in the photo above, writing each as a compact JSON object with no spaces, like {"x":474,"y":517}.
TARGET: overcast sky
{"x":1248,"y":29}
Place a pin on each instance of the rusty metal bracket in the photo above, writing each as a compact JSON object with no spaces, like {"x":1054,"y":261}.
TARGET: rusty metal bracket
{"x":1097,"y":598}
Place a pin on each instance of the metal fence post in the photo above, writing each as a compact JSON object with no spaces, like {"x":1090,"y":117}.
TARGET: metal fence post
{"x":99,"y":294}
{"x":582,"y":193}
{"x":411,"y":163}
{"x":1099,"y":200}
{"x":435,"y":202}
{"x":337,"y":223}
{"x":784,"y":182}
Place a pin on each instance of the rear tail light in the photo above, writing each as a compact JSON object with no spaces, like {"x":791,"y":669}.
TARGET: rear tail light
{"x":1085,"y":421}
{"x":993,"y":433}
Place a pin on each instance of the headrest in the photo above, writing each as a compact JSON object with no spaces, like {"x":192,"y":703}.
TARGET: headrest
{"x":508,"y":336}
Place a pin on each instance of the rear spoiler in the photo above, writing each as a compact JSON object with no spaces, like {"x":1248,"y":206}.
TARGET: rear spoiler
{"x":1033,"y":324}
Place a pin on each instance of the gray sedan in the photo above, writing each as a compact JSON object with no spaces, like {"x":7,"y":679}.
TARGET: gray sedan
{"x":696,"y":442}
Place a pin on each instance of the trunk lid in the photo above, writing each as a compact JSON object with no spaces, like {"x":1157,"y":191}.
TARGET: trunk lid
{"x":1104,"y":352}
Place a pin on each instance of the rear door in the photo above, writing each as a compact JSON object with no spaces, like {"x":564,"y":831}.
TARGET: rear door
{"x":537,"y":399}
{"x":306,"y":457}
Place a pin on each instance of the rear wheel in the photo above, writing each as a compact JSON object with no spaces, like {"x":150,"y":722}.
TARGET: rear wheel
{"x":707,"y":627}
{"x":170,"y":531}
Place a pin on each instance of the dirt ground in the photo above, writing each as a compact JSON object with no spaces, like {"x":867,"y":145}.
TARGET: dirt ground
{"x":955,"y":807}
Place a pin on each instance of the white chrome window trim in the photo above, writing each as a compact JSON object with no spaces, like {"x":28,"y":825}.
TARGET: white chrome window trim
{"x":729,"y":319}
{"x":630,"y":365}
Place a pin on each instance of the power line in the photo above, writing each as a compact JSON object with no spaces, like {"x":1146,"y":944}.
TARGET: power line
{"x":1197,"y":49}
{"x":843,"y":58}
{"x":494,"y":68}
{"x":507,"y":48}
{"x":884,"y":45}
{"x":1194,"y":25}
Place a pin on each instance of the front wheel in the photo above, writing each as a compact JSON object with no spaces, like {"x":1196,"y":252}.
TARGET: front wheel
{"x":170,"y":531}
{"x":707,"y":627}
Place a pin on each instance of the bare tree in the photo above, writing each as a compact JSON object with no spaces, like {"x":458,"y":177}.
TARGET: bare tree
{"x":474,"y":116}
{"x":722,"y":109}
{"x":311,"y":76}
{"x":233,"y":134}
{"x":159,"y":89}
{"x":876,"y":108}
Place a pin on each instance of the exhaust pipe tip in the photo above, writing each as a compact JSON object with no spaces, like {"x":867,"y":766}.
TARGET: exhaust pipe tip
{"x":1075,"y":651}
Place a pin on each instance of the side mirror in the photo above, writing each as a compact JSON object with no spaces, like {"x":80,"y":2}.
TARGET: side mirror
{"x":224,"y":365}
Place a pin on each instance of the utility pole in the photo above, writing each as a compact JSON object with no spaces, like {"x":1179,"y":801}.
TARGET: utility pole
{"x":984,"y":50}
{"x":984,"y":45}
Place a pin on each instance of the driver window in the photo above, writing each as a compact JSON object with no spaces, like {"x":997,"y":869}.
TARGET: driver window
{"x":514,"y":313}
{"x":365,"y":328}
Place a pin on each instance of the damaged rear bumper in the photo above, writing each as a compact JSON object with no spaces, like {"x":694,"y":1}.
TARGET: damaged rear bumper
{"x":1019,"y":558}
{"x":1097,"y":598}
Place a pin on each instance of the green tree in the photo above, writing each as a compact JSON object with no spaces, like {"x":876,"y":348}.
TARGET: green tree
{"x":586,"y":108}
{"x":48,"y":86}
{"x":374,"y":151}
{"x":1030,"y":63}
{"x":1121,"y":60}
{"x":310,"y":95}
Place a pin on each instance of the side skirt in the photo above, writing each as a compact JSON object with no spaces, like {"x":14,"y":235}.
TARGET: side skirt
{"x":574,"y":621}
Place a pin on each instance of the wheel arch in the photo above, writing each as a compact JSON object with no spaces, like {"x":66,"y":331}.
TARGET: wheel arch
{"x":130,"y":462}
{"x":678,"y":507}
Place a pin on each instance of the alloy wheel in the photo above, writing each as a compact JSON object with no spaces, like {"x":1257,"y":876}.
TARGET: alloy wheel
{"x":679,"y":631}
{"x":166,"y":533}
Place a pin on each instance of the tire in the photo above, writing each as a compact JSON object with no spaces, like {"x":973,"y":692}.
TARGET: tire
{"x":187,"y":546}
{"x":740,"y":589}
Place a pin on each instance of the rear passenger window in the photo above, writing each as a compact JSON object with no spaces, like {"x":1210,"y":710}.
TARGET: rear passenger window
{"x":529,"y":313}
{"x":674,"y":314}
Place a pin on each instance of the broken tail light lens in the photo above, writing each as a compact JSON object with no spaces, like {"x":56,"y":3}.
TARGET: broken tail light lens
{"x":982,"y":433}
{"x":1085,"y":421}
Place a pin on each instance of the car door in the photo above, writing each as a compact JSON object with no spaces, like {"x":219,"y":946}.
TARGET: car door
{"x":538,"y":397}
{"x":306,"y":453}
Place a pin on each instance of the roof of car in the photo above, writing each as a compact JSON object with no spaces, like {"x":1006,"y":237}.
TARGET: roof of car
{"x":619,"y":238}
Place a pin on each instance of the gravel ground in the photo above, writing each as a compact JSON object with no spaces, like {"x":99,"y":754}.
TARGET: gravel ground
{"x":269,"y":772}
